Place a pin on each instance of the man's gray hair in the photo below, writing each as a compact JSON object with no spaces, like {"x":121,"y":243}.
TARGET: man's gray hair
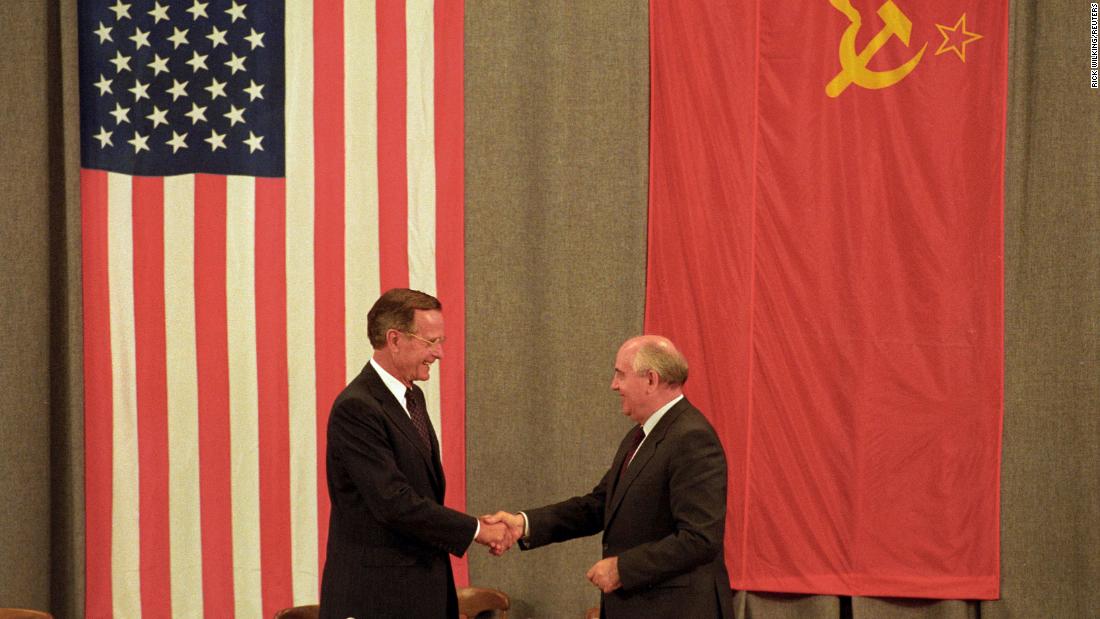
{"x":658,"y":354}
{"x":396,"y":309}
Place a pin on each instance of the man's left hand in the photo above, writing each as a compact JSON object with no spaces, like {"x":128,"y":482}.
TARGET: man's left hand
{"x":605,"y":574}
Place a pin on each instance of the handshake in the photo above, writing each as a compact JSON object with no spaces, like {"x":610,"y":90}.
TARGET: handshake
{"x":500,"y":531}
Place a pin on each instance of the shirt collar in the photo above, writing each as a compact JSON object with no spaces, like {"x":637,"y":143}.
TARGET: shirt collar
{"x":396,"y":387}
{"x":651,"y":423}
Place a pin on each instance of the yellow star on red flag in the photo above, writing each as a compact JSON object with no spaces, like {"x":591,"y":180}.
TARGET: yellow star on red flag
{"x":955,"y":38}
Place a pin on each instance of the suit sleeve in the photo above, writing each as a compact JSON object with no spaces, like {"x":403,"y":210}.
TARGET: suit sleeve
{"x":363,"y":444}
{"x":579,"y":516}
{"x":697,"y":496}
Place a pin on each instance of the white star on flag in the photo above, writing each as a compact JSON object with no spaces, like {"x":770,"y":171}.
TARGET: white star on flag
{"x":159,"y":13}
{"x":179,"y":37}
{"x":140,"y":38}
{"x":104,"y":34}
{"x":216,"y":140}
{"x":254,"y":90}
{"x":104,"y":137}
{"x":178,"y":89}
{"x":197,"y":113}
{"x":236,"y":11}
{"x":139,"y":142}
{"x":197,"y":9}
{"x":254,"y":142}
{"x":178,"y":141}
{"x":198,"y":61}
{"x":140,"y":91}
{"x":216,"y":88}
{"x":235,"y":115}
{"x":121,"y":10}
{"x":235,"y":63}
{"x":122,"y":63}
{"x":121,"y":114}
{"x":255,"y":38}
{"x":217,"y":37}
{"x":104,"y":85}
{"x":158,"y":65}
{"x":158,"y":117}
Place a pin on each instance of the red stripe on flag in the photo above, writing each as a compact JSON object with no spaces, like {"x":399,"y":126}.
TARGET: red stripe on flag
{"x":273,"y":398}
{"x":212,"y":351}
{"x":450,"y":255}
{"x":150,"y":353}
{"x":393,"y":252}
{"x":328,"y":265}
{"x":98,"y":399}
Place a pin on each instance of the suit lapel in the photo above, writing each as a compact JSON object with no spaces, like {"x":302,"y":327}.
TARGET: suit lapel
{"x":392,"y":408}
{"x":617,"y":463}
{"x":645,"y":453}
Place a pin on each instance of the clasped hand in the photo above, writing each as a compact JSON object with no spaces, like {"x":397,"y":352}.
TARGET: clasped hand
{"x":500,"y":531}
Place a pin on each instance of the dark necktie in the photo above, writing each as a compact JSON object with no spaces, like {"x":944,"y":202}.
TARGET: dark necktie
{"x":635,"y":440}
{"x":419,"y":414}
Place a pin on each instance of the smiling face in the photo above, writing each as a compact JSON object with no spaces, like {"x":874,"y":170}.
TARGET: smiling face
{"x":413,"y":354}
{"x":636,"y":390}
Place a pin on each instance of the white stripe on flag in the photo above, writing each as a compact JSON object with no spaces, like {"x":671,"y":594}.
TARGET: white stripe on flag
{"x":184,"y":498}
{"x":420,"y":140}
{"x":361,"y":186}
{"x":125,"y":533}
{"x":301,"y":373}
{"x":243,"y":392}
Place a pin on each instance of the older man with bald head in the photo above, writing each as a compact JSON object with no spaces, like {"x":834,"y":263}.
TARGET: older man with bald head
{"x":661,"y":506}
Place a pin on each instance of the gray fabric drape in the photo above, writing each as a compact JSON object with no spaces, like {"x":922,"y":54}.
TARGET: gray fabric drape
{"x":41,"y":439}
{"x":556,"y":164}
{"x":556,"y":176}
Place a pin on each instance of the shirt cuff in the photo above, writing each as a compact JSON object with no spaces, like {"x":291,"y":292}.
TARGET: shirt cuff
{"x":526,"y":526}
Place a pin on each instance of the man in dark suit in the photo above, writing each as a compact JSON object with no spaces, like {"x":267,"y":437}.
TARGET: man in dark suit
{"x":661,"y":506}
{"x":389,"y":533}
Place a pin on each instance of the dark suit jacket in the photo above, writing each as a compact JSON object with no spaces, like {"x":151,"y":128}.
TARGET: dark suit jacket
{"x":389,"y":533}
{"x":664,"y":521}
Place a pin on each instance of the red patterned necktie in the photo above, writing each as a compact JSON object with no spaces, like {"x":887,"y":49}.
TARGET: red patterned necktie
{"x":419,"y":414}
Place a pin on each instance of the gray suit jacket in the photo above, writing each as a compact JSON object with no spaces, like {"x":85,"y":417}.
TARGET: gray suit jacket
{"x":664,"y":521}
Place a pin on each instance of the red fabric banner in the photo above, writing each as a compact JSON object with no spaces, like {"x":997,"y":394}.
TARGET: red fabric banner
{"x":826,"y":245}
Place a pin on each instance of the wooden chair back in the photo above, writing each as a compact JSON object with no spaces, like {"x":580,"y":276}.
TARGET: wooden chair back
{"x":299,"y":612}
{"x":23,"y":613}
{"x":472,"y":601}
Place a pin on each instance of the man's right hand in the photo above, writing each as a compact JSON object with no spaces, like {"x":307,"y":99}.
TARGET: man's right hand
{"x":516,"y":524}
{"x":496,"y":535}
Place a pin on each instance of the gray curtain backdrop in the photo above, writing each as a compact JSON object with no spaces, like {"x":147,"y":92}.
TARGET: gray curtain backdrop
{"x":41,"y":406}
{"x":556,"y":177}
{"x":557,"y":117}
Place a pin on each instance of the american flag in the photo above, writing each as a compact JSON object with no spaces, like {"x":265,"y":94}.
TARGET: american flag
{"x":254,"y":174}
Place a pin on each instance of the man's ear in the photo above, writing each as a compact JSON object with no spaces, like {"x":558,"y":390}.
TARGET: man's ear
{"x":652,"y":378}
{"x":391,"y":337}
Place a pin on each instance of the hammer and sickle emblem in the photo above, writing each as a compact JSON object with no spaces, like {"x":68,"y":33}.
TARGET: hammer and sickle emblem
{"x":855,"y":64}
